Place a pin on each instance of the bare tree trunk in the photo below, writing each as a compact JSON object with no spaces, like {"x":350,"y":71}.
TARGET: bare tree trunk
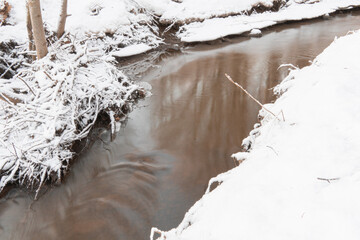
{"x":62,"y":21}
{"x":38,"y":28}
{"x":29,"y":31}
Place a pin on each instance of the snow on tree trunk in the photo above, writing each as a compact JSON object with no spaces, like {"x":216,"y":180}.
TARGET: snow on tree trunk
{"x":62,"y":21}
{"x":38,"y":28}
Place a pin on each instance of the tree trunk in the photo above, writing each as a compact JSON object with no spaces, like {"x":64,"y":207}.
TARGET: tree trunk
{"x":62,"y":21}
{"x":38,"y":28}
{"x":29,"y":30}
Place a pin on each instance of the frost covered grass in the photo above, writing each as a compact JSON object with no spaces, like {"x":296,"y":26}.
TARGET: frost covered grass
{"x":58,"y":101}
{"x":299,"y":178}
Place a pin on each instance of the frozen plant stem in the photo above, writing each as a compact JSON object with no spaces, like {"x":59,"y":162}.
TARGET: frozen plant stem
{"x":247,"y":93}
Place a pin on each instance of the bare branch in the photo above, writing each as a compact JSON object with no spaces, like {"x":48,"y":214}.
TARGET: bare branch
{"x":26,"y":85}
{"x":247,"y":93}
{"x":328,"y":179}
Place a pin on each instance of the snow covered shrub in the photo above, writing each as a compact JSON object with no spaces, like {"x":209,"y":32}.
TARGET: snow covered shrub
{"x":59,"y":100}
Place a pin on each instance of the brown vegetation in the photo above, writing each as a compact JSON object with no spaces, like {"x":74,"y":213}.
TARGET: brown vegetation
{"x":5,"y":8}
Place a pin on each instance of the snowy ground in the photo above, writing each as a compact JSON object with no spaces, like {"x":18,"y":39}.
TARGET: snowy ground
{"x":300,"y":178}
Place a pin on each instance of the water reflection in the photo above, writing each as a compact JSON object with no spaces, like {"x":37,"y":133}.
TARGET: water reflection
{"x":160,"y":163}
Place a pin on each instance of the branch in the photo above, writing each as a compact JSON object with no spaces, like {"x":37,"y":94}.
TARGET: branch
{"x":26,"y":85}
{"x":253,"y":98}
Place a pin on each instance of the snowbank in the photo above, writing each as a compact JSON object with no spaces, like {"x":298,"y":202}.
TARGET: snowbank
{"x":131,"y":50}
{"x":189,"y":10}
{"x":300,"y":178}
{"x":214,"y":28}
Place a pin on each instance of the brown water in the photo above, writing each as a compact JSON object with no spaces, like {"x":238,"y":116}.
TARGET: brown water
{"x":160,"y":162}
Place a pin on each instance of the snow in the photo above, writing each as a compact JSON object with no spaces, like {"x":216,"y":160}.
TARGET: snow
{"x":97,"y":31}
{"x":132,"y":50}
{"x":124,"y":19}
{"x":211,"y":29}
{"x":157,"y":7}
{"x":255,"y":33}
{"x":204,"y":9}
{"x":207,"y":19}
{"x":300,"y":178}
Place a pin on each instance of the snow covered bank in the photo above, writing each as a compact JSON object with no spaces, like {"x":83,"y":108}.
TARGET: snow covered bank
{"x":214,"y":28}
{"x":187,"y":11}
{"x":300,"y":178}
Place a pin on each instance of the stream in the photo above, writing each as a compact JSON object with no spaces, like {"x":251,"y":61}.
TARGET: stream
{"x":161,"y":160}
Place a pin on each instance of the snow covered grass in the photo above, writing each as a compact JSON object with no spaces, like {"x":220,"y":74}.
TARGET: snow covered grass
{"x":300,"y":177}
{"x":58,"y":100}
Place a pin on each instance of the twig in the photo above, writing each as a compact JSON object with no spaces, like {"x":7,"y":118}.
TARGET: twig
{"x":48,"y":75}
{"x":247,"y":93}
{"x":328,"y":179}
{"x":8,"y":69}
{"x":26,"y":85}
{"x":15,"y":150}
{"x":273,"y":150}
{"x":6,"y":99}
{"x":282,"y":113}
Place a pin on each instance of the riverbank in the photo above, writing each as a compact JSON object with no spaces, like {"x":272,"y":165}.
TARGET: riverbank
{"x":98,"y":33}
{"x":299,"y":177}
{"x":50,"y":104}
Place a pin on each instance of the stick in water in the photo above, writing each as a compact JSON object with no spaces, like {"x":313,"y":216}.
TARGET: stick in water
{"x":239,"y":86}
